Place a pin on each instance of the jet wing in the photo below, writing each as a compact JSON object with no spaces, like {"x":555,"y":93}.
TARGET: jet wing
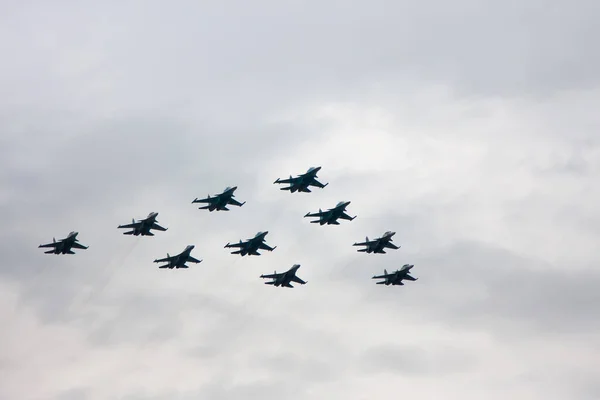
{"x":346,"y":216}
{"x":193,"y":260}
{"x":409,"y":278}
{"x":236,"y":203}
{"x":265,"y":246}
{"x":241,"y":244}
{"x":290,"y":180}
{"x":390,"y":245}
{"x":369,"y":243}
{"x":317,"y":214}
{"x":76,"y":245}
{"x":132,"y":225}
{"x":167,"y":259}
{"x":271,"y":276}
{"x":206,"y":200}
{"x":318,"y":184}
{"x":158,"y":227}
{"x":385,"y":276}
{"x":54,"y":244}
{"x":297,"y":280}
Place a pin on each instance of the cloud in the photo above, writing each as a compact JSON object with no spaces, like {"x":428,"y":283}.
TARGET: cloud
{"x":416,"y":361}
{"x":469,"y":130}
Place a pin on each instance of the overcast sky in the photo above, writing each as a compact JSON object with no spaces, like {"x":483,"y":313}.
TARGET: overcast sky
{"x":470,"y":128}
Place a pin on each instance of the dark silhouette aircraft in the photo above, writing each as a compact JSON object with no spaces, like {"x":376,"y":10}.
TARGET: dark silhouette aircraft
{"x":251,"y":246}
{"x":179,"y":260}
{"x":378,"y":245}
{"x":220,"y":201}
{"x":301,"y":182}
{"x":331,"y":216}
{"x":143,"y":226}
{"x":396,"y":278}
{"x":284,"y":279}
{"x":65,"y":245}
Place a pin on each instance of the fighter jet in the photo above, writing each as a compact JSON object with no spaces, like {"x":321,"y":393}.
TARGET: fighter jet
{"x":179,"y":260}
{"x":301,"y":182}
{"x":220,"y":201}
{"x":331,"y":216}
{"x":143,"y":226}
{"x":65,"y":245}
{"x":251,"y":246}
{"x":284,"y":279}
{"x":396,"y":278}
{"x":378,"y":245}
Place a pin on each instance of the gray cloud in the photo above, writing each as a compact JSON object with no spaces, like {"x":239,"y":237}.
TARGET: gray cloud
{"x":484,"y":285}
{"x":417,"y":361}
{"x":469,"y":129}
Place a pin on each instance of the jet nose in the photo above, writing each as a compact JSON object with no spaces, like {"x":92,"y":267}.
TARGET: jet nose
{"x":233,"y":189}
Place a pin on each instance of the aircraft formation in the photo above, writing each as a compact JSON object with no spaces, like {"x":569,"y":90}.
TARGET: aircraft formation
{"x":250,"y":247}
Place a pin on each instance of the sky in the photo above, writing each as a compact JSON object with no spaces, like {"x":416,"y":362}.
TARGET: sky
{"x":470,"y":128}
